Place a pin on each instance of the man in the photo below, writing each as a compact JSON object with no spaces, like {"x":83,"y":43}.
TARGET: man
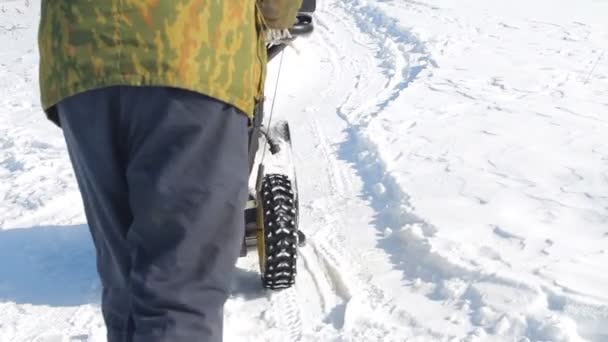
{"x":153,"y":97}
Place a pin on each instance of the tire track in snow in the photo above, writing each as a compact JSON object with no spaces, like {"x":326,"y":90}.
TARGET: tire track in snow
{"x":285,"y":310}
{"x":345,"y":294}
{"x":318,"y":281}
{"x":403,"y":56}
{"x":402,"y":50}
{"x":325,"y":260}
{"x":349,"y":297}
{"x":328,"y":254}
{"x":331,"y":290}
{"x":336,"y":180}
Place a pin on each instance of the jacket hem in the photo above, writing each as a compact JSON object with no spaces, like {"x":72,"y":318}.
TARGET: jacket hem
{"x":48,"y":104}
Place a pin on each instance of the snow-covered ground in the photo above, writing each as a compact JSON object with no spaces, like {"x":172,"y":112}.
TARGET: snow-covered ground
{"x":453,"y":170}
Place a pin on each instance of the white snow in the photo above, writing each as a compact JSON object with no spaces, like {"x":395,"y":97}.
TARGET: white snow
{"x":453,"y":175}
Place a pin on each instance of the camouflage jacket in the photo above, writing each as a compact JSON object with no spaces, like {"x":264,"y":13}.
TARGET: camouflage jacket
{"x":209,"y":46}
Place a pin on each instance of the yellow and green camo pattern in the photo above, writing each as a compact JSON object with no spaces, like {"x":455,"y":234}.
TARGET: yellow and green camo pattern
{"x":214,"y":47}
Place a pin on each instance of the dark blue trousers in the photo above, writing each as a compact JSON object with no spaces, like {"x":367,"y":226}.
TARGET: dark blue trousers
{"x":163,"y":175}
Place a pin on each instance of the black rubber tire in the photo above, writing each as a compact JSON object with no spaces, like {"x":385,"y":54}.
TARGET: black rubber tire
{"x":278,"y":260}
{"x":303,"y":26}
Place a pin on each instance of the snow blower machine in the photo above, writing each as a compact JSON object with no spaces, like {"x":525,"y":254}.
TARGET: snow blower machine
{"x":271,"y":215}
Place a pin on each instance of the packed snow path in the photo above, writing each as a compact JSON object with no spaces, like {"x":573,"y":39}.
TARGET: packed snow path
{"x":453,"y":171}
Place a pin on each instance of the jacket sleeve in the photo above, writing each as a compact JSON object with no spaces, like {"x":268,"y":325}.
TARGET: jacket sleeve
{"x":279,"y":14}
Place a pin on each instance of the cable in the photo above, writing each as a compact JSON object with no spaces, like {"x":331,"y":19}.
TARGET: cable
{"x":274,"y":99}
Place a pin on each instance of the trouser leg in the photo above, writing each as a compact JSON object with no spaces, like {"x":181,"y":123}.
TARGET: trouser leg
{"x":91,"y":127}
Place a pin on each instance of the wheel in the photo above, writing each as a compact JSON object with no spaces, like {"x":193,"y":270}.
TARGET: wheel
{"x":277,"y":235}
{"x":303,"y":25}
